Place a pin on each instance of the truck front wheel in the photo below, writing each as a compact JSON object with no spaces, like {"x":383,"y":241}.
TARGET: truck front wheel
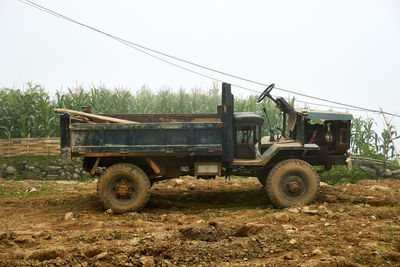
{"x":124,"y":187}
{"x":292,"y":182}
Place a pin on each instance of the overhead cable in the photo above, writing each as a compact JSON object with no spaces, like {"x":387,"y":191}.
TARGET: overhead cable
{"x":142,"y":48}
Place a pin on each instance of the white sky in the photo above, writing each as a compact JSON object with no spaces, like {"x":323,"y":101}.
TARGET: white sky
{"x":342,"y":50}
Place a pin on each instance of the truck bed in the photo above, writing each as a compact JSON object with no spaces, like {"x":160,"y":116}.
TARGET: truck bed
{"x":155,"y":134}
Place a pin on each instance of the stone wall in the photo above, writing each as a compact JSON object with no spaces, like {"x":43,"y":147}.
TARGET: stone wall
{"x":49,"y":170}
{"x":377,"y":171}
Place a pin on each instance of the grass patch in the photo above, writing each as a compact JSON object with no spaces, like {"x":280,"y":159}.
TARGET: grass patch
{"x":21,"y":189}
{"x":340,"y":175}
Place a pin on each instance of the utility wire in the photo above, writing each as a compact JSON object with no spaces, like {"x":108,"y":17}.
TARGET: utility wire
{"x":141,"y":49}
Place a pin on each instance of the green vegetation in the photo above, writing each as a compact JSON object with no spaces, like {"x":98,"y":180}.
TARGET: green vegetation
{"x":340,"y":175}
{"x":42,"y":188}
{"x":30,"y":111}
{"x":366,"y":142}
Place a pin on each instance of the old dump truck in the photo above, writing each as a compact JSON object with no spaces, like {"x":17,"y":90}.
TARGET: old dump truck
{"x":146,"y":148}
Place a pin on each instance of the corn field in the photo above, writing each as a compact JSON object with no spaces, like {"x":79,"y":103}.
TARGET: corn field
{"x":29,"y":112}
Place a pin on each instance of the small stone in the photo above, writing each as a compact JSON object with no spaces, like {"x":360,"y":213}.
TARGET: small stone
{"x":53,"y":169}
{"x":307,"y":210}
{"x":327,"y":224}
{"x":373,"y":217}
{"x":200,"y":221}
{"x":169,"y":187}
{"x":10,"y":170}
{"x":349,"y":248}
{"x":147,"y":261}
{"x":100,"y":256}
{"x":293,"y":242}
{"x":316,"y":252}
{"x":379,"y":188}
{"x":109,"y":211}
{"x":69,"y":216}
{"x":371,"y":245}
{"x":182,"y":219}
{"x":288,"y":256}
{"x":290,"y":229}
{"x":282,"y":217}
{"x":390,"y":197}
{"x":163,"y":217}
{"x":294,"y":210}
{"x":375,"y":253}
{"x":69,"y":168}
{"x":387,"y":173}
{"x":3,"y":167}
{"x":31,"y":190}
{"x":192,"y":187}
{"x":134,"y":241}
{"x":179,"y":182}
{"x":322,"y":184}
{"x":30,"y":168}
{"x":51,"y":177}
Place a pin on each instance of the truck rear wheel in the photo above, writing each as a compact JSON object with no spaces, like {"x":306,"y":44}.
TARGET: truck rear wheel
{"x":292,"y":182}
{"x":124,"y":187}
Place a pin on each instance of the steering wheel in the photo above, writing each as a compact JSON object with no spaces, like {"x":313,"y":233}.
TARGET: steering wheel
{"x":266,"y":93}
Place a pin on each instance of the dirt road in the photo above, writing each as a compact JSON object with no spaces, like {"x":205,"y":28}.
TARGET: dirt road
{"x":197,"y":222}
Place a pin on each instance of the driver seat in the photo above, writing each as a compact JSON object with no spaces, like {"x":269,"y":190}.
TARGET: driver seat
{"x":247,"y":119}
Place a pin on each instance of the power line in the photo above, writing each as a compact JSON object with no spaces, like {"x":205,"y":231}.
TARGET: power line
{"x":141,"y":49}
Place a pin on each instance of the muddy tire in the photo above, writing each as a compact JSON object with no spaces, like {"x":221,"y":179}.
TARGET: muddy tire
{"x":291,"y":183}
{"x":124,"y":187}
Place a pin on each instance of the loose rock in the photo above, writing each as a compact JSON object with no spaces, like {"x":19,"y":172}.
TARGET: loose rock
{"x":69,"y":216}
{"x":10,"y":170}
{"x":316,"y":252}
{"x":31,"y":190}
{"x":101,"y":256}
{"x":307,"y":210}
{"x":179,"y":182}
{"x":282,"y":217}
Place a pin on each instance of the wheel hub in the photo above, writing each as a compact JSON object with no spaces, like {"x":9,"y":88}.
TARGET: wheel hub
{"x":122,"y":190}
{"x":294,"y":187}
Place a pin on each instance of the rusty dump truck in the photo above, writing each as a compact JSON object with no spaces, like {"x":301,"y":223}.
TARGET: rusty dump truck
{"x":156,"y":147}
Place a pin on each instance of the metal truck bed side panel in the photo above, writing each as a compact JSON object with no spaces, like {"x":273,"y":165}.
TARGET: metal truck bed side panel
{"x":146,"y":138}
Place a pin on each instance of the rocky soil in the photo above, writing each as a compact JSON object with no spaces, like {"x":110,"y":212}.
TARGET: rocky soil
{"x":196,"y":222}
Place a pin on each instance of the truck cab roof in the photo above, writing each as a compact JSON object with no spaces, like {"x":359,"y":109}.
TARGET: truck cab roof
{"x":326,"y":115}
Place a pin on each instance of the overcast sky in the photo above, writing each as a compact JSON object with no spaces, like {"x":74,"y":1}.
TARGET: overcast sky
{"x":346,"y":51}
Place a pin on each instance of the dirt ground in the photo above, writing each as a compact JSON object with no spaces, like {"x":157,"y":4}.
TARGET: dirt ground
{"x":199,"y":222}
